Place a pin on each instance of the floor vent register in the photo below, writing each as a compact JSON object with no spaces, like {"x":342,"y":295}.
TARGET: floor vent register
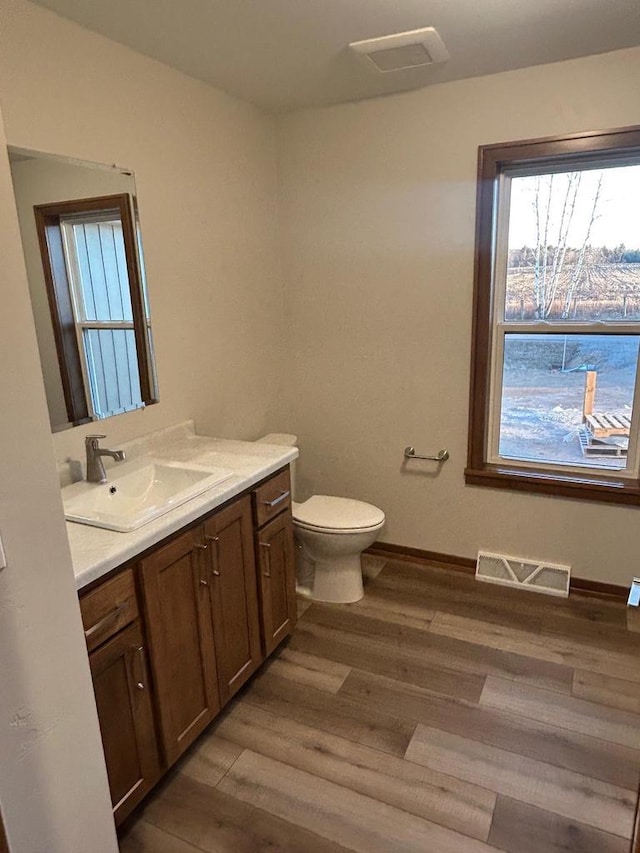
{"x":531,"y":575}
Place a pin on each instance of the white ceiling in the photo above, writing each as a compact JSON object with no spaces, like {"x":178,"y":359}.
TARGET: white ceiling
{"x":288,"y":54}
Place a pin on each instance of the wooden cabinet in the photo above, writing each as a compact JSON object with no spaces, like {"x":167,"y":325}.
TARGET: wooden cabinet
{"x":275,"y":555}
{"x":234,"y":601}
{"x":175,"y":586}
{"x":173,"y":635}
{"x":277,"y":581}
{"x":121,"y":685}
{"x":202,"y":616}
{"x":123,"y":699}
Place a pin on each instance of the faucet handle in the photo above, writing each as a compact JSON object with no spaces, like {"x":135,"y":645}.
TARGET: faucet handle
{"x":91,"y":442}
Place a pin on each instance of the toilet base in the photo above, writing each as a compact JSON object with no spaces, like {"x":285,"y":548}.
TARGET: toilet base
{"x":328,"y":563}
{"x":338,"y":581}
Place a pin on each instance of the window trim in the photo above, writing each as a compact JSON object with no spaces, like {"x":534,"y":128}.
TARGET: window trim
{"x":493,"y":160}
{"x":48,"y":225}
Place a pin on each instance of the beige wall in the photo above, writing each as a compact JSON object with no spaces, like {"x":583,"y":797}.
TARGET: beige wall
{"x":205,"y":172}
{"x":377,"y":226}
{"x":53,"y":785}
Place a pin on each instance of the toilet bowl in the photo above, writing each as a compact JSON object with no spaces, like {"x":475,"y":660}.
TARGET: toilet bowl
{"x":330,"y":533}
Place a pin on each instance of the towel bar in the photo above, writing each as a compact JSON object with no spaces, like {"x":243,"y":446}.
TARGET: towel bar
{"x":410,"y":453}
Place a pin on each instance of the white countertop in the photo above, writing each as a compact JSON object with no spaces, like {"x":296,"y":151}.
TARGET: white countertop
{"x":95,"y":551}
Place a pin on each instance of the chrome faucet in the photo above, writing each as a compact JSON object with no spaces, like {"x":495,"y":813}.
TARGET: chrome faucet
{"x":95,"y":465}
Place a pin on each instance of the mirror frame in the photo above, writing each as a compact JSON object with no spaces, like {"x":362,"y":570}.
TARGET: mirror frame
{"x":42,"y":218}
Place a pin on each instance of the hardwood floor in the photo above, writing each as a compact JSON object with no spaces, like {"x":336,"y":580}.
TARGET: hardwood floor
{"x":438,"y":715}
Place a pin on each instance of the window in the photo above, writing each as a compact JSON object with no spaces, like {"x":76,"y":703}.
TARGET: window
{"x":554,"y":377}
{"x":98,"y":305}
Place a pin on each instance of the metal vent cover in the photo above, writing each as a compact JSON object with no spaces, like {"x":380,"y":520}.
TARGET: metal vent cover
{"x":401,"y":51}
{"x":532,"y":575}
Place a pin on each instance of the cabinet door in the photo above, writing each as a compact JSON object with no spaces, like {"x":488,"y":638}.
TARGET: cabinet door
{"x":234,"y":596}
{"x":121,"y":688}
{"x":277,"y":580}
{"x":176,"y":593}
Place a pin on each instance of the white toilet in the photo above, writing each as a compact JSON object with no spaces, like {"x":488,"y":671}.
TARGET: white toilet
{"x":331,"y":533}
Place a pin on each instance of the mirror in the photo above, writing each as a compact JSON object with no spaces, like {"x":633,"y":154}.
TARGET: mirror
{"x":83,"y":253}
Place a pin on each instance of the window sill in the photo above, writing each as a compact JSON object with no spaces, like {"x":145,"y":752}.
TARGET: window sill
{"x":604,"y":489}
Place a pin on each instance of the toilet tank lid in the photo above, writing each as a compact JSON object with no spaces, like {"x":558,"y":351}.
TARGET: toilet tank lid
{"x":332,"y":513}
{"x":282,"y":438}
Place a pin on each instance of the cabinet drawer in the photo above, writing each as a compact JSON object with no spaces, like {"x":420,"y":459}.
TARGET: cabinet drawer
{"x":108,"y":608}
{"x":271,"y":497}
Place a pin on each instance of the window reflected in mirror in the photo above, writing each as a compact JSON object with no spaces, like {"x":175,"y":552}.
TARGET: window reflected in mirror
{"x":83,"y":252}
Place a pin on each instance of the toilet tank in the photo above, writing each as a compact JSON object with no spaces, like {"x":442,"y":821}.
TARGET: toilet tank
{"x":284,"y":439}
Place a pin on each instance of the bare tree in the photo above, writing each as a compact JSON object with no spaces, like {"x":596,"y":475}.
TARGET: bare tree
{"x":550,"y":258}
{"x":583,"y":255}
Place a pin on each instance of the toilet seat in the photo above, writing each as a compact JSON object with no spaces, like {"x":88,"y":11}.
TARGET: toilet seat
{"x":328,"y":514}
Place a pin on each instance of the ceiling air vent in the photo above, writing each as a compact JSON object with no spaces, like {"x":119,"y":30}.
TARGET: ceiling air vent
{"x":413,"y":49}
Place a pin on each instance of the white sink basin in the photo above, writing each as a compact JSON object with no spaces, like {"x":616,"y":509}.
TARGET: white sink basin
{"x":138,"y":492}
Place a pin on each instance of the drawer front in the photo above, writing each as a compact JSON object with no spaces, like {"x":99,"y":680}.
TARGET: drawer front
{"x":272,"y":497}
{"x":109,"y":608}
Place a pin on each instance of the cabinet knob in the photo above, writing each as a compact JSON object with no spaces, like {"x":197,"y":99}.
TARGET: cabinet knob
{"x":204,"y":582}
{"x":211,"y":538}
{"x":215,"y":573}
{"x":264,"y":544}
{"x":140,"y":685}
{"x":200,"y":547}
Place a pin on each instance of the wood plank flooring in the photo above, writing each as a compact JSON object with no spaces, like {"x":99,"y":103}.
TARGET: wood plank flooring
{"x":438,"y":715}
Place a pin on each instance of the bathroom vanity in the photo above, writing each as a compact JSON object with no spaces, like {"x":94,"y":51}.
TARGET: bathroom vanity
{"x":174,"y":631}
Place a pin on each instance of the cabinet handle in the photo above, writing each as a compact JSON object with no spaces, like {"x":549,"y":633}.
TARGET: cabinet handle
{"x":140,"y":651}
{"x":215,"y":539}
{"x":204,"y":582}
{"x":267,"y":547}
{"x":283,"y":496}
{"x":199,"y":547}
{"x":106,"y":620}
